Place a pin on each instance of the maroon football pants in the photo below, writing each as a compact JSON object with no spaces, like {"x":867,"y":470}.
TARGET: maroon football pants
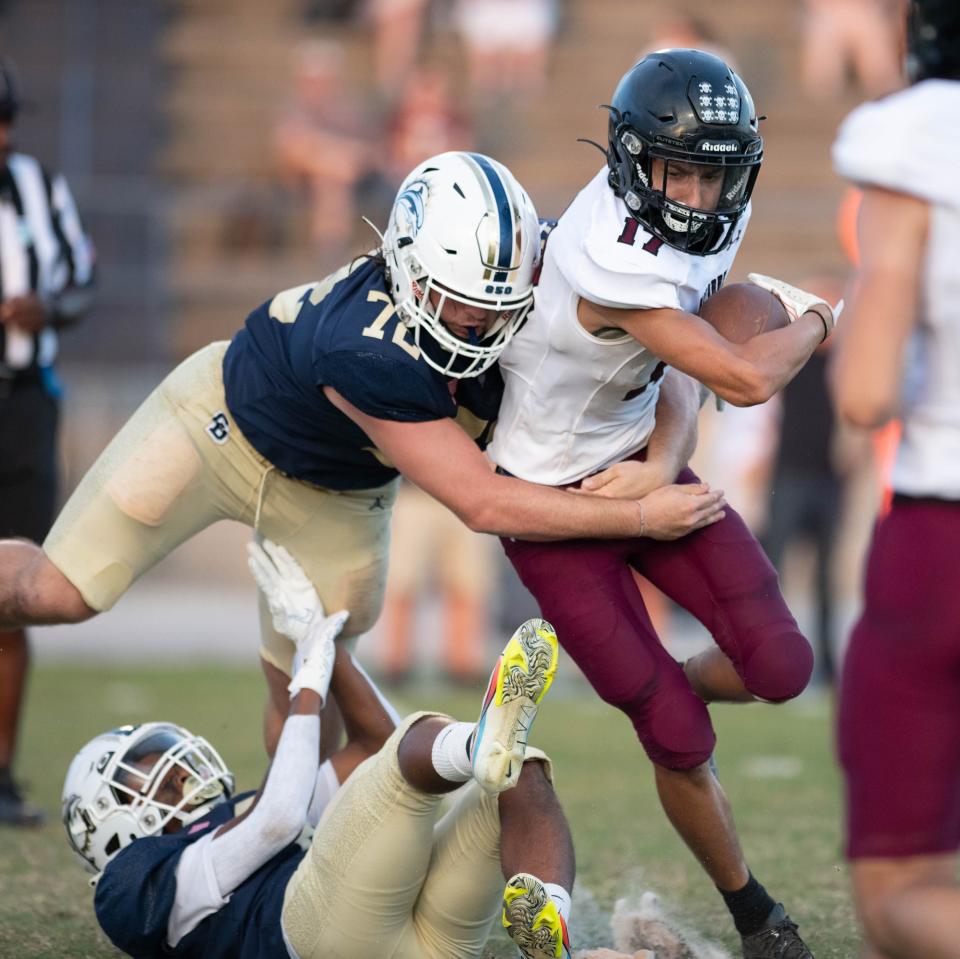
{"x":720,"y":574}
{"x":899,"y":718}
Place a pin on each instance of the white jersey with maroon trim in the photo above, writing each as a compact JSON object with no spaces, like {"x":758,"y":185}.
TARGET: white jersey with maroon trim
{"x":909,"y":143}
{"x":575,"y":402}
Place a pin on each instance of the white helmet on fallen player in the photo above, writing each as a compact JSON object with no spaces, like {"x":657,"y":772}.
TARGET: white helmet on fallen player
{"x":463,"y":229}
{"x":115,"y":789}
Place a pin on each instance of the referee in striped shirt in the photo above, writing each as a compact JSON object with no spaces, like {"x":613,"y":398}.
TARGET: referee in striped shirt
{"x":46,"y":271}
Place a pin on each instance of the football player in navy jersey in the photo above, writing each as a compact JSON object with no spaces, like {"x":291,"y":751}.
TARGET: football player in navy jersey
{"x":184,"y":867}
{"x":899,"y":721}
{"x":300,"y":426}
{"x":624,"y":274}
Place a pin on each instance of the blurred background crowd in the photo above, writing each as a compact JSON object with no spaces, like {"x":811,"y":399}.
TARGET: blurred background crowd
{"x":222,"y":150}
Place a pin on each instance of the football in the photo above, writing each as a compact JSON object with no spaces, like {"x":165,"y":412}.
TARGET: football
{"x":740,"y":311}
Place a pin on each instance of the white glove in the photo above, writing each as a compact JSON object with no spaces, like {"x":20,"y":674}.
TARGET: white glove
{"x":797,"y":302}
{"x":297,"y":613}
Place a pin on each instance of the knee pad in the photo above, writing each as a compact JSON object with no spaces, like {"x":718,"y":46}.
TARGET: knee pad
{"x":673,"y":726}
{"x":779,"y":667}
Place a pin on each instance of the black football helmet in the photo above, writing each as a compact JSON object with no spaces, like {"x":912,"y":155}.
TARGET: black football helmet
{"x":933,"y":40}
{"x":683,"y":106}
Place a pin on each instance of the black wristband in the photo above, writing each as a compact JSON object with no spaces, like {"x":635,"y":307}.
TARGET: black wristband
{"x":818,"y":309}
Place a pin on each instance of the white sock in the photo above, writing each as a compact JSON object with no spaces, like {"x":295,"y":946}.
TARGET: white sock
{"x":561,"y":898}
{"x":449,"y":755}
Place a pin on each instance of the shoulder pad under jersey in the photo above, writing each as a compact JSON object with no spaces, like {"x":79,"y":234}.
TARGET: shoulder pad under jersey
{"x":608,"y":257}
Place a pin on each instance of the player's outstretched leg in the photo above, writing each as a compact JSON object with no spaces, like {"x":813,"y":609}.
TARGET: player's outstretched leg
{"x":778,"y":939}
{"x":518,"y":683}
{"x":532,"y":919}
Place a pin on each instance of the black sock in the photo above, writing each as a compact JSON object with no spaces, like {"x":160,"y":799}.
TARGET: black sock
{"x":749,"y":906}
{"x":7,"y":787}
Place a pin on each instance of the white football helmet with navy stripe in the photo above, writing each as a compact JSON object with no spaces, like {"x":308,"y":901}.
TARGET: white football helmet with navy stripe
{"x":463,"y":229}
{"x":132,"y":781}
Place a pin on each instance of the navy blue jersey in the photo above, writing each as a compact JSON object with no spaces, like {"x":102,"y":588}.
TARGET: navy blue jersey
{"x":341,"y":332}
{"x":135,"y":895}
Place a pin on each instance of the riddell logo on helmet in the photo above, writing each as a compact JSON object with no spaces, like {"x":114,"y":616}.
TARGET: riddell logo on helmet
{"x":722,"y":146}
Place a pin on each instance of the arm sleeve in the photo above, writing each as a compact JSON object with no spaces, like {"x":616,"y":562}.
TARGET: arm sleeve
{"x":211,"y":868}
{"x":280,"y":812}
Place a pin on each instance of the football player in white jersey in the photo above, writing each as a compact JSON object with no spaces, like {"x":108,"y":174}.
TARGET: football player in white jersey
{"x":624,"y":273}
{"x":899,"y":722}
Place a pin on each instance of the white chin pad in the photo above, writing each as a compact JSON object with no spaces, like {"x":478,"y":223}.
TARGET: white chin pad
{"x":683,"y":223}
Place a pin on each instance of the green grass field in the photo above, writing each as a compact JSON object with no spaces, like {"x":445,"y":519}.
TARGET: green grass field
{"x":776,"y":764}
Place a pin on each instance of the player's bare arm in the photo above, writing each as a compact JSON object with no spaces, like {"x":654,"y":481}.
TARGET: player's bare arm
{"x":33,"y":591}
{"x":321,"y":668}
{"x":306,"y":703}
{"x":669,"y":449}
{"x":742,"y":374}
{"x":366,"y":720}
{"x":868,"y":366}
{"x":443,"y":461}
{"x":671,"y":510}
{"x":674,"y":437}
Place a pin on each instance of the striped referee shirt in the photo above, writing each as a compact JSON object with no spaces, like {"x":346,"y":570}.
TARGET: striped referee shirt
{"x":43,"y":249}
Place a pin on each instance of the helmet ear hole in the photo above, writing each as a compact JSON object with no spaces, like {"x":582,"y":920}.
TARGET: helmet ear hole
{"x":632,"y":143}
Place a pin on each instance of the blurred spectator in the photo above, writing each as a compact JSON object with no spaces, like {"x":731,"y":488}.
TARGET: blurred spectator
{"x":852,"y":39}
{"x":329,"y":11}
{"x":431,"y":548}
{"x":425,"y":122}
{"x":397,"y":29}
{"x":323,"y":143}
{"x":507,"y":44}
{"x":735,"y":450}
{"x":686,"y":31}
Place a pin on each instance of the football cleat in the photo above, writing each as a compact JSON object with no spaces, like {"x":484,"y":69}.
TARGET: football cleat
{"x":14,"y":809}
{"x":778,"y":939}
{"x":533,"y":921}
{"x":518,"y":683}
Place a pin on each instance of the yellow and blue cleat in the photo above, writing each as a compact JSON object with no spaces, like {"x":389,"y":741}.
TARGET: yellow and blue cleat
{"x":533,"y":921}
{"x":518,"y":683}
